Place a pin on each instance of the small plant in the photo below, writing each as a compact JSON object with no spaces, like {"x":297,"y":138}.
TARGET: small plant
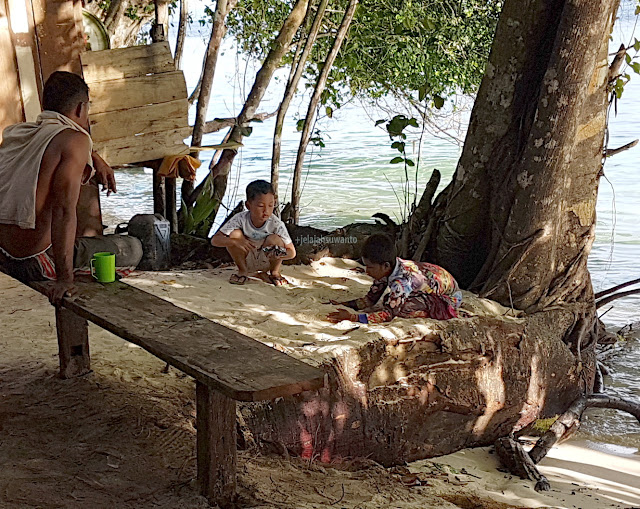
{"x":395,"y":128}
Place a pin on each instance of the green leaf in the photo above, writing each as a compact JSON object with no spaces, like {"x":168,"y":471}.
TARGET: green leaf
{"x":329,"y":111}
{"x":438,"y":101}
{"x":378,"y":122}
{"x":300,"y":125}
{"x":618,"y":88}
{"x":396,"y":160}
{"x":410,"y":163}
{"x":422,"y":92}
{"x":636,"y":45}
{"x":627,"y":58}
{"x":413,"y":122}
{"x":398,"y":145}
{"x":636,"y":67}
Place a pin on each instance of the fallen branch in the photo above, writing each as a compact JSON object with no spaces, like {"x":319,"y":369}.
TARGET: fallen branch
{"x":571,"y":420}
{"x":615,"y":296}
{"x":613,"y":151}
{"x":217,"y":124}
{"x":523,"y":464}
{"x":601,"y":294}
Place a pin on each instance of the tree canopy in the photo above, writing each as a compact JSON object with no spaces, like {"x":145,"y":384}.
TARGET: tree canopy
{"x":424,"y":49}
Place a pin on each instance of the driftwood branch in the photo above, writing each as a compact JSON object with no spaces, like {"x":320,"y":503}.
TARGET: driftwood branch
{"x":571,"y":420}
{"x":523,"y":464}
{"x":613,"y":151}
{"x":217,"y":124}
{"x":615,"y":296}
{"x":601,"y":294}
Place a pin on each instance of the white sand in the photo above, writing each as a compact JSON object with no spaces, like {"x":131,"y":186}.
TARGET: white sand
{"x":124,"y":437}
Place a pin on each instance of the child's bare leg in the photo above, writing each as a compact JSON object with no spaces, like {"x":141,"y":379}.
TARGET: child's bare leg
{"x":238,"y":255}
{"x":274,"y":263}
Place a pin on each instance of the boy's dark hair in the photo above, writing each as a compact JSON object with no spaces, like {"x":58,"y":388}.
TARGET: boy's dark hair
{"x":379,"y":248}
{"x":259,"y":187}
{"x":63,"y":91}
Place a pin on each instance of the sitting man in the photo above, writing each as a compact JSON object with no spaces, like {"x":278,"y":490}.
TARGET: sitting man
{"x":42,"y":166}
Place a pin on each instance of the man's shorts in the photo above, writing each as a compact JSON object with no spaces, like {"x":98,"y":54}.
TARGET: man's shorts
{"x":40,"y":267}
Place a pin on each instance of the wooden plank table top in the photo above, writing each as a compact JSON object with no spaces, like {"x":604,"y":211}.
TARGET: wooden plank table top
{"x":237,"y":366}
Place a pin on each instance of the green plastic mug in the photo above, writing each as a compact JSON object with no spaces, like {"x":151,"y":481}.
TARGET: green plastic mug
{"x":103,"y":267}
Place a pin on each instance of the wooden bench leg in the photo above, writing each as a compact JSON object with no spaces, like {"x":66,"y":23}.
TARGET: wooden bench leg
{"x":73,"y":343}
{"x":216,"y":445}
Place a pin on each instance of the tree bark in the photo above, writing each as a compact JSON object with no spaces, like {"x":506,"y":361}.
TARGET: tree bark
{"x":517,"y":222}
{"x":182,"y":33}
{"x":220,"y":171}
{"x":219,"y":28}
{"x":313,"y":104}
{"x":292,"y":86}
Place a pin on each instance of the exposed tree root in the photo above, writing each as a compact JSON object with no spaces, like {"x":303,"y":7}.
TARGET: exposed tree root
{"x":518,"y":462}
{"x":522,"y":464}
{"x":606,"y":300}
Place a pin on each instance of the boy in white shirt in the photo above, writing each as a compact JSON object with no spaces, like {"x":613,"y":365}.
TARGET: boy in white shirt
{"x":256,"y":239}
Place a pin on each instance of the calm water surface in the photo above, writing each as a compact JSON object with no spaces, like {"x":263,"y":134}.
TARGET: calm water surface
{"x":351,"y":179}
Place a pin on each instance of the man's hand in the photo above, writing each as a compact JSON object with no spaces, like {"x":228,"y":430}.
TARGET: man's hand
{"x":60,"y":290}
{"x":340,"y":315}
{"x":104,"y":174}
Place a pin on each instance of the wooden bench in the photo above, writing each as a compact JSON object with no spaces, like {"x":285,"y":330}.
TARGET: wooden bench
{"x":226,"y":365}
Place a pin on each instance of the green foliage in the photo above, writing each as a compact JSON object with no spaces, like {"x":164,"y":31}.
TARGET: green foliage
{"x":202,"y":209}
{"x":428,"y":49}
{"x":395,"y":128}
{"x":631,"y":61}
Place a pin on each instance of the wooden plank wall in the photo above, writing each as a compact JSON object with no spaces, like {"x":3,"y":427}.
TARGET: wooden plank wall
{"x":10,"y":102}
{"x":139,"y":107}
{"x":60,"y":34}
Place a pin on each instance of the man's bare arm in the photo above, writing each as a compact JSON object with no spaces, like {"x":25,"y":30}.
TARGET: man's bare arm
{"x":65,"y":189}
{"x":104,"y":173}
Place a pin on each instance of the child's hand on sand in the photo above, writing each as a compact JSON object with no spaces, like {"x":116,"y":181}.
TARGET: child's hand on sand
{"x":340,"y":315}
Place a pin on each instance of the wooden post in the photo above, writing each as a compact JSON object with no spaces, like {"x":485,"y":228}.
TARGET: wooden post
{"x":159,"y":198}
{"x":73,"y":343}
{"x":172,"y":212}
{"x":161,"y":186}
{"x":216,"y":445}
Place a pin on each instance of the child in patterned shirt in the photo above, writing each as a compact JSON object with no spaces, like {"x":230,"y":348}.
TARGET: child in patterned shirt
{"x":416,"y":289}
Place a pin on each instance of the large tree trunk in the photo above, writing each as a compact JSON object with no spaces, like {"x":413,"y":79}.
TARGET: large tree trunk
{"x":521,"y":206}
{"x":516,"y":224}
{"x":309,"y":119}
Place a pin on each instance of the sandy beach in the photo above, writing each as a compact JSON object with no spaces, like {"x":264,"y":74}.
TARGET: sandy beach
{"x":123,"y":436}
